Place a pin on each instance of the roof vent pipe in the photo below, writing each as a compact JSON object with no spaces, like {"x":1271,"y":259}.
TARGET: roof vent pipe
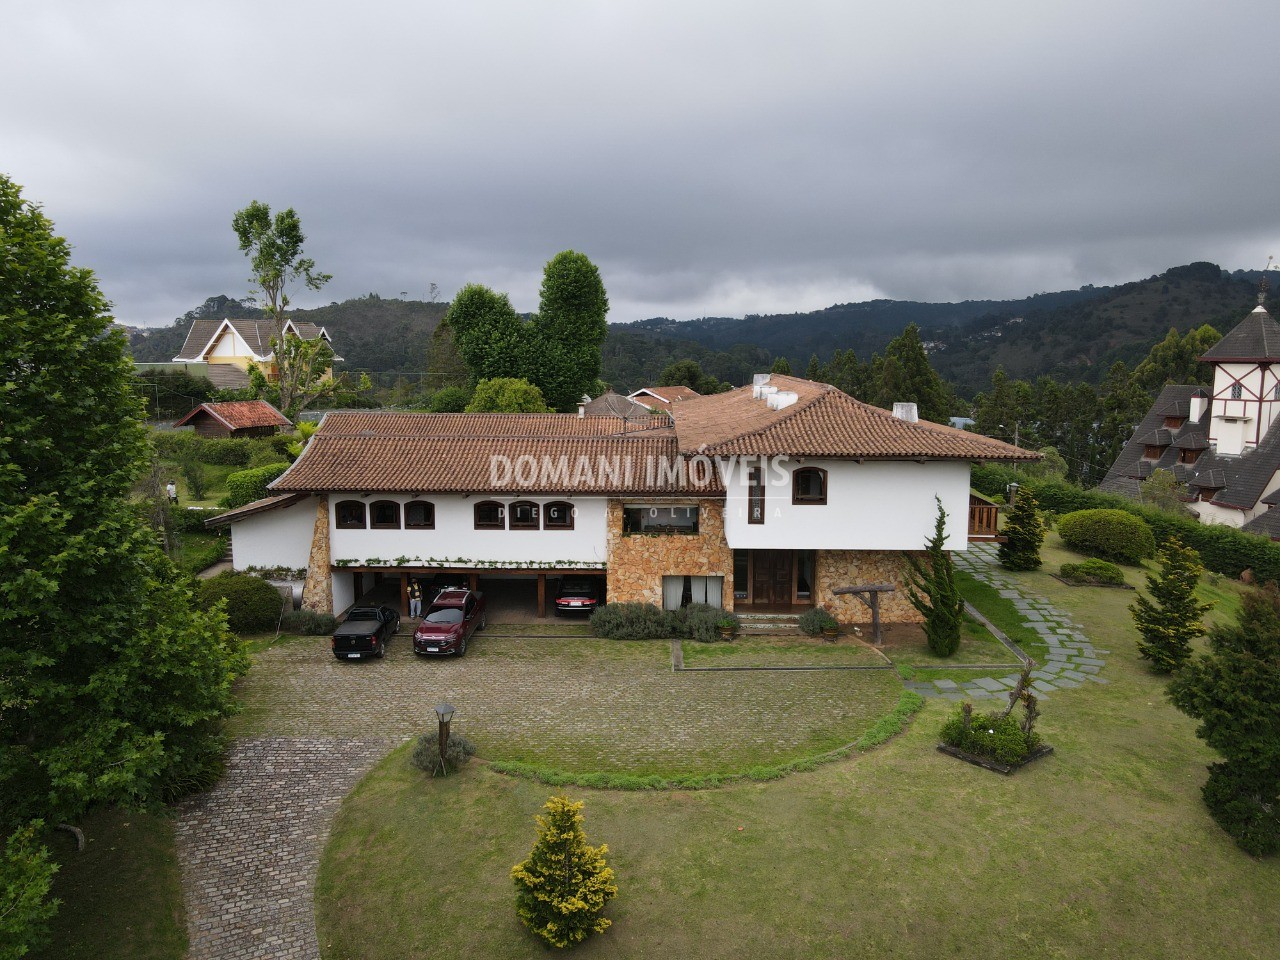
{"x":906,"y":412}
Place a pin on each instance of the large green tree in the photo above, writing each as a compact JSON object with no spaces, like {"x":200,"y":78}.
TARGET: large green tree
{"x":507,"y":395}
{"x":932,"y":589}
{"x":557,"y":350}
{"x":904,"y":374}
{"x":1234,"y":691}
{"x":1175,"y":359}
{"x":273,"y":245}
{"x":112,"y":687}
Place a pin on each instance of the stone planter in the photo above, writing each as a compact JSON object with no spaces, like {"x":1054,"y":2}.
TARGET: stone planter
{"x":829,"y":634}
{"x":994,"y":765}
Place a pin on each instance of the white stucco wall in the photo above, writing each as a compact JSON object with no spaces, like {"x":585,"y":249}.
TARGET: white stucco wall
{"x":456,"y":541}
{"x":1252,"y":414}
{"x":1223,"y":516}
{"x":276,"y":538}
{"x":881,"y":505}
{"x":344,"y":590}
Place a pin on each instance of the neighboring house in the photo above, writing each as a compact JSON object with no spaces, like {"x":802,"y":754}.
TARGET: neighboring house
{"x":242,"y":418}
{"x":229,"y":346}
{"x":1219,"y":442}
{"x":662,"y":398}
{"x":610,"y":404}
{"x":764,"y":498}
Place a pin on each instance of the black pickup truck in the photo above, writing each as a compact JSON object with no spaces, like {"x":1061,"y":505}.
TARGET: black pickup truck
{"x":365,"y":633}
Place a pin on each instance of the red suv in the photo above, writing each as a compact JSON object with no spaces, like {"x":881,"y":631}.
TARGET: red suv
{"x":454,"y":615}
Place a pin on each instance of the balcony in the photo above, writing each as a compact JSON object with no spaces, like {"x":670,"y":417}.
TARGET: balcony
{"x":984,"y":520}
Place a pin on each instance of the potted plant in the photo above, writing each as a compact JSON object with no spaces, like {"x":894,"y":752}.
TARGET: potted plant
{"x":727,"y":626}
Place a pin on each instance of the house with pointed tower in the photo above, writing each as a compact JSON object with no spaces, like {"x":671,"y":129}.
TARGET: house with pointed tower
{"x":1221,"y":442}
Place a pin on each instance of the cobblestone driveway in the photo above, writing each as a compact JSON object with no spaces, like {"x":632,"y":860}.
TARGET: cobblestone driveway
{"x":313,"y":726}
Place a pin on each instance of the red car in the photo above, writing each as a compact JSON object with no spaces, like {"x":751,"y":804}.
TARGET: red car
{"x":577,"y":595}
{"x":454,"y":615}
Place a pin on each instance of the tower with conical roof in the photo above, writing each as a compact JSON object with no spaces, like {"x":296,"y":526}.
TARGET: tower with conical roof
{"x":1246,"y":383}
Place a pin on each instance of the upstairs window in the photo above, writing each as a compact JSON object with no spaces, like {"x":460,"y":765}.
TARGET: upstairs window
{"x":524,"y":515}
{"x":654,"y":519}
{"x":419,"y":515}
{"x":558,"y":516}
{"x":350,"y":515}
{"x":1237,"y":391}
{"x":809,"y":485}
{"x":1153,"y":452}
{"x":490,"y":515}
{"x":384,"y":515}
{"x":755,"y":495}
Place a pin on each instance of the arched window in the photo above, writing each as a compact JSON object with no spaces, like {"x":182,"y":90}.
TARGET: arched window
{"x":558,"y":515}
{"x":384,"y":515}
{"x":419,"y":515}
{"x":350,"y":514}
{"x":490,"y":515}
{"x":524,"y":515}
{"x":809,"y":485}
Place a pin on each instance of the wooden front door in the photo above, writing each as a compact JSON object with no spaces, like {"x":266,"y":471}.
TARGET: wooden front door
{"x":771,"y":576}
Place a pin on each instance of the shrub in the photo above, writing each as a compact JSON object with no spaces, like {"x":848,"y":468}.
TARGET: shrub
{"x":562,"y":889}
{"x":1245,"y":812}
{"x":450,"y":400}
{"x":188,"y":520}
{"x":1172,"y":618}
{"x":702,"y":622}
{"x":246,"y":486}
{"x":253,"y":605}
{"x":426,"y":753}
{"x":26,"y":876}
{"x":1115,"y":535}
{"x":1093,"y":572}
{"x":992,"y":735}
{"x":266,"y":456}
{"x":193,"y":473}
{"x":225,"y":451}
{"x":193,"y":559}
{"x":308,"y":623}
{"x":814,"y":621}
{"x":634,"y":621}
{"x":1024,"y":534}
{"x":172,"y":444}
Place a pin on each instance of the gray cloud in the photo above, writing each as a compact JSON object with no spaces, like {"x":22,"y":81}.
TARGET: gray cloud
{"x":712,"y":158}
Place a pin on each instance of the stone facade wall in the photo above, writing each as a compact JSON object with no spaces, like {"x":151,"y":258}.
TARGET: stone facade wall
{"x":638,"y":563}
{"x":317,"y":592}
{"x":848,"y":568}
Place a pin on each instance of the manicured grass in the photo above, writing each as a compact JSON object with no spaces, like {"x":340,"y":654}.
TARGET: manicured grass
{"x":761,"y":651}
{"x":908,"y":647}
{"x":1002,"y":613}
{"x":122,"y":897}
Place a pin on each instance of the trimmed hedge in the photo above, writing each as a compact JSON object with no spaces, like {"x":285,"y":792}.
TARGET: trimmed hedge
{"x":1222,"y":549}
{"x":645,"y":621}
{"x":191,"y":520}
{"x":308,"y":623}
{"x":1115,"y":535}
{"x":1093,"y":572}
{"x":815,"y":620}
{"x":990,"y":735}
{"x":246,"y":486}
{"x":253,"y":605}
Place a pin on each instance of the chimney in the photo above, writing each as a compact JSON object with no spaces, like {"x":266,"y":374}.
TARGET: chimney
{"x":906,"y":412}
{"x":759,"y":383}
{"x":781,"y":399}
{"x":1198,"y":404}
{"x":582,"y":405}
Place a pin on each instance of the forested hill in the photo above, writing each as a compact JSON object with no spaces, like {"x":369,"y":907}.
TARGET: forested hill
{"x":369,"y":333}
{"x":1080,"y":341}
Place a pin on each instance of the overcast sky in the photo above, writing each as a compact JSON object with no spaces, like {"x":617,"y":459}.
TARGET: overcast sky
{"x":710,"y":158}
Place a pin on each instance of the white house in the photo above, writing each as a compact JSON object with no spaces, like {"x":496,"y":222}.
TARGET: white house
{"x":229,"y":346}
{"x":764,"y":498}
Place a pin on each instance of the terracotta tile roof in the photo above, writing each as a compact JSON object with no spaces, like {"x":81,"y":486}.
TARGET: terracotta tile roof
{"x":822,"y":422}
{"x":239,"y":414}
{"x":258,"y":506}
{"x":360,"y":423}
{"x":668,"y":395}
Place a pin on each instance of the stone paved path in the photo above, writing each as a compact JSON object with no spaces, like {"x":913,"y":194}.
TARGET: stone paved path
{"x":250,"y":847}
{"x":1072,"y":659}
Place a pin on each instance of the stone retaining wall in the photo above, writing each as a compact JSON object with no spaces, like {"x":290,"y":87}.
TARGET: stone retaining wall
{"x":317,"y":592}
{"x":638,"y":563}
{"x":847,"y":568}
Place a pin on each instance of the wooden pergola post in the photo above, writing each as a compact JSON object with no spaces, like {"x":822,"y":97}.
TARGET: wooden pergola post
{"x":404,"y":594}
{"x":542,"y":596}
{"x":869,"y":594}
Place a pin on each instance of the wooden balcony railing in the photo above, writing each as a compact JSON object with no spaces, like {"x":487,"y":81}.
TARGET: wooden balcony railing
{"x":983,"y":521}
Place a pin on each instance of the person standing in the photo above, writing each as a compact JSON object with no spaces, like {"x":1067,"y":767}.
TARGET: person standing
{"x":415,"y":598}
{"x":171,"y":489}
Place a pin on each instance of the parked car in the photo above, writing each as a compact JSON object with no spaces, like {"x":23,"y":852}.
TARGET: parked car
{"x":365,"y":633}
{"x":577,"y":595}
{"x":443,"y":581}
{"x":454,"y":615}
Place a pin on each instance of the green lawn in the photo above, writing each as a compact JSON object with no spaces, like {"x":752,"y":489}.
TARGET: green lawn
{"x":1102,"y":849}
{"x":764,"y":651}
{"x":121,"y":897}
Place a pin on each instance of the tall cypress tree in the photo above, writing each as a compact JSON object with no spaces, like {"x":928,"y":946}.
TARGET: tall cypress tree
{"x":1024,"y":533}
{"x":1171,"y":619}
{"x":931,"y":588}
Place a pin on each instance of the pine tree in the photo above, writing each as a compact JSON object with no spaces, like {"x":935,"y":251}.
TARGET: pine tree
{"x":782,"y":366}
{"x":563,"y":887}
{"x":1171,"y":619}
{"x":1024,"y":533}
{"x":1234,"y":691}
{"x":931,"y":588}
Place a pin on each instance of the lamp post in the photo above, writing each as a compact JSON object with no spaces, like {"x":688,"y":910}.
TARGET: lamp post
{"x":444,"y":713}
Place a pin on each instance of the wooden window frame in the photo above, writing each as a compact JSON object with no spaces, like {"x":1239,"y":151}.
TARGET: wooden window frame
{"x":755,"y":495}
{"x":797,"y":499}
{"x":570,"y":512}
{"x":392,"y":525}
{"x":431,"y":515}
{"x":501,"y":524}
{"x":350,"y":524}
{"x":535,"y":524}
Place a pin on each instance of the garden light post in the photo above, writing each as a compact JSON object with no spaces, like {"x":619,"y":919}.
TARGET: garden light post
{"x":444,"y":713}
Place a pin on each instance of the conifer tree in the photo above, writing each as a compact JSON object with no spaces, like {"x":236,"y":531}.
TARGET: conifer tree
{"x":1234,"y":691}
{"x":1171,"y":619}
{"x":931,"y":588}
{"x":781,"y":365}
{"x":1024,"y":533}
{"x":563,"y":887}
